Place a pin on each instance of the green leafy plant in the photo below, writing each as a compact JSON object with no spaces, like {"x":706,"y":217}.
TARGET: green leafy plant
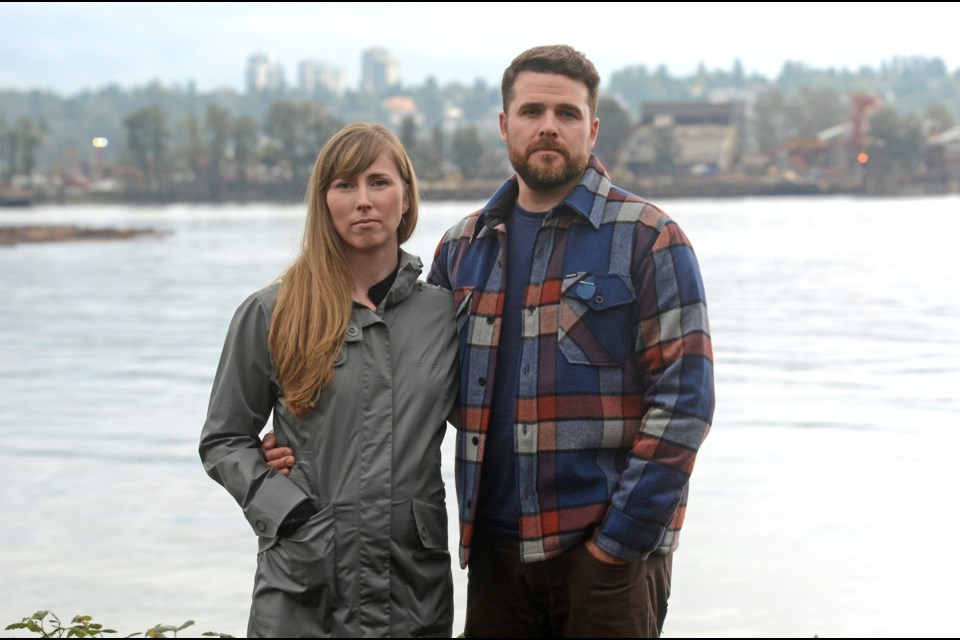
{"x":84,"y":627}
{"x":81,"y":626}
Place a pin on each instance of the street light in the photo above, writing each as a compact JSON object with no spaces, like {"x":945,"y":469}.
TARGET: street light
{"x":99,"y":151}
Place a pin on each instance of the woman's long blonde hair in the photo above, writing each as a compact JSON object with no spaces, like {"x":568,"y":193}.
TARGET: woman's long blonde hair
{"x":316,"y":293}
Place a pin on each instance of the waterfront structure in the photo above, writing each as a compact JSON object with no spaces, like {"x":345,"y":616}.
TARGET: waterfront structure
{"x":689,"y":137}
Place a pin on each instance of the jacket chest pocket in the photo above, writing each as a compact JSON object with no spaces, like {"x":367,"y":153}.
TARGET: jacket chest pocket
{"x":595,"y":324}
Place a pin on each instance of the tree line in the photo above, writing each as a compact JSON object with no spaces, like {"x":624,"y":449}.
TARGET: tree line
{"x":174,"y":142}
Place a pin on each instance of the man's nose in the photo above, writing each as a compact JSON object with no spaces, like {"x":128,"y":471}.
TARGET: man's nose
{"x":548,"y":126}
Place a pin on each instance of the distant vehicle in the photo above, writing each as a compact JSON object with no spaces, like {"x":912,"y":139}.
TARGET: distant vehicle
{"x":701,"y":169}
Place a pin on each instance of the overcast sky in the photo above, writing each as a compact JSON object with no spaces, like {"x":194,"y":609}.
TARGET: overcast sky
{"x":69,"y":47}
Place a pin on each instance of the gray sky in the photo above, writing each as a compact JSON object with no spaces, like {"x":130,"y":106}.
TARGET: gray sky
{"x":68,"y":47}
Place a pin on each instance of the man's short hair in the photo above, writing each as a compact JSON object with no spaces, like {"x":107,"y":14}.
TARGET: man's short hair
{"x":560,"y":59}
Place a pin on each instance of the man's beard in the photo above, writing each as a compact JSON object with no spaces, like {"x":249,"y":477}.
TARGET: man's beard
{"x":553,"y":175}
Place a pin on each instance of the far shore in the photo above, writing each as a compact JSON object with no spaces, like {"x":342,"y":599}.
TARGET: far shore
{"x":64,"y":233}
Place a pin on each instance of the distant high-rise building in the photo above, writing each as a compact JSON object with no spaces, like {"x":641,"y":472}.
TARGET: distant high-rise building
{"x":264,"y":73}
{"x":381,"y":71}
{"x":316,"y":78}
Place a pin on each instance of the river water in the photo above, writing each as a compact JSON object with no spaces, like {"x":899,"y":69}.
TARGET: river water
{"x":823,"y":501}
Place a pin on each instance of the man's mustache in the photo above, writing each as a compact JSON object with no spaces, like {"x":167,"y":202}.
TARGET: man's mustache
{"x":547,"y":146}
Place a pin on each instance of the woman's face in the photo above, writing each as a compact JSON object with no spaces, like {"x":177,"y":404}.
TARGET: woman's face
{"x":367,"y":208}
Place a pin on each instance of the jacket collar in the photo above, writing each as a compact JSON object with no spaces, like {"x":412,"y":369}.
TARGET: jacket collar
{"x":586,"y":200}
{"x":408,"y":270}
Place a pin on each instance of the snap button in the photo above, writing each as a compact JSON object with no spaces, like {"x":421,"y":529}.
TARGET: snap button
{"x":261,"y":526}
{"x":481,"y":381}
{"x":490,"y":320}
{"x":585,"y":289}
{"x":476,"y":439}
{"x":352,"y":331}
{"x":598,"y":299}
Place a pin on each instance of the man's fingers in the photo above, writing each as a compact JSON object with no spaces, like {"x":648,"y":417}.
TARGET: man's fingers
{"x":276,"y":454}
{"x":282,"y":464}
{"x":279,"y":458}
{"x":269,"y":441}
{"x":602,"y":555}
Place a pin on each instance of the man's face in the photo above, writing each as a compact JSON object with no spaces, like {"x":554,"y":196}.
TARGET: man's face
{"x":548,"y":130}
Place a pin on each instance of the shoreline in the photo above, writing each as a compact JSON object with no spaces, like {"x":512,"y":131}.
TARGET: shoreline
{"x":650,"y":188}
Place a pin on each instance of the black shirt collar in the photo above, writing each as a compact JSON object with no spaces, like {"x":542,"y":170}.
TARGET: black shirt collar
{"x":379,"y":291}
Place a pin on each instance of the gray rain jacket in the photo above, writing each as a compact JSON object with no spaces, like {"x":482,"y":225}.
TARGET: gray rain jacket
{"x":374,"y":561}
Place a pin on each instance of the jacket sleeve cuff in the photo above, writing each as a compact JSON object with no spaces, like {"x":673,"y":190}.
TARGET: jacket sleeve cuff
{"x":627,"y":537}
{"x":275,"y":499}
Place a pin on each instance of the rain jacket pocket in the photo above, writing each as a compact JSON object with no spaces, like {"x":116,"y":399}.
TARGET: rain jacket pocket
{"x":304,"y":565}
{"x":431,"y":523}
{"x":427,"y":572}
{"x":595,"y":323}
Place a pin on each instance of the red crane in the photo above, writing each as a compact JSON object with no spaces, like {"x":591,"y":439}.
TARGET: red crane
{"x":862,"y":105}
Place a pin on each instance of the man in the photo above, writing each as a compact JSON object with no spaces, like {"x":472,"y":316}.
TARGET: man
{"x":586,"y":376}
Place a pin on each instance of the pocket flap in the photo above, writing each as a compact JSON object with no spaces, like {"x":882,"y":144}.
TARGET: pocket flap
{"x":431,"y":522}
{"x":600,"y":291}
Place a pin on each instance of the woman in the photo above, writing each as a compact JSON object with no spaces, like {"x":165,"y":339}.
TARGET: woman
{"x":356,"y":359}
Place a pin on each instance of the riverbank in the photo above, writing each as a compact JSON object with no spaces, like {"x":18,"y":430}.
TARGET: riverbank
{"x":652,"y":189}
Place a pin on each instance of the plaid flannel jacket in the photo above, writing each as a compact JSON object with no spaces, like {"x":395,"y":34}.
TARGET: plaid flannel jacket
{"x":616,"y":369}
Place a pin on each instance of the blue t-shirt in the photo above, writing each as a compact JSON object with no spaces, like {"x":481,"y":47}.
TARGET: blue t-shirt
{"x":498,"y":508}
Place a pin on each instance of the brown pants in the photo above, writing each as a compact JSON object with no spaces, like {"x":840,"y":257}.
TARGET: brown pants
{"x":571,"y":596}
